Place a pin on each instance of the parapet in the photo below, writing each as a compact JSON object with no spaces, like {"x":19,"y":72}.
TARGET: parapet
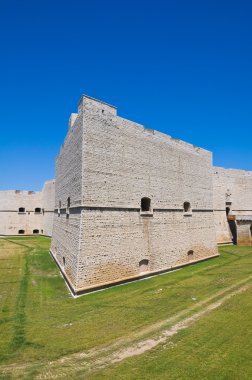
{"x":97,"y":106}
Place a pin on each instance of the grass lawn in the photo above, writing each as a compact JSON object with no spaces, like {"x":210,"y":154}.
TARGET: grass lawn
{"x":44,"y":332}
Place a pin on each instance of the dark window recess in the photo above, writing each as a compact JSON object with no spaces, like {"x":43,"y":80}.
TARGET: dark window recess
{"x":21,"y":232}
{"x":145,"y":204}
{"x":37,"y":210}
{"x":143,"y":262}
{"x":187,"y":207}
{"x":143,"y":265}
{"x":233,"y":229}
{"x":68,"y":207}
{"x":42,"y":231}
{"x":190,"y":253}
{"x":64,"y":261}
{"x":21,"y":209}
{"x":35,"y":231}
{"x":227,"y":211}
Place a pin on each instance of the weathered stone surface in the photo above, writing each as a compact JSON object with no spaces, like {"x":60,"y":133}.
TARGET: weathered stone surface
{"x":31,"y":221}
{"x":233,"y":190}
{"x":105,"y":166}
{"x":128,"y":201}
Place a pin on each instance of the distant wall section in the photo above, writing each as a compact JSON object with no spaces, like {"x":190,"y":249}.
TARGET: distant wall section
{"x":233,"y":205}
{"x":27,"y":212}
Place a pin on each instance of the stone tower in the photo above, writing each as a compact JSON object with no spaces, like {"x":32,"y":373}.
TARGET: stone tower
{"x":130,"y":201}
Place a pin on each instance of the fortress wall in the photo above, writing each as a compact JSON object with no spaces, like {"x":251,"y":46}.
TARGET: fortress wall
{"x":244,"y":232}
{"x":233,"y":189}
{"x":66,"y":232}
{"x":11,"y":220}
{"x":223,"y":233}
{"x":48,"y":202}
{"x":65,"y":243}
{"x":239,"y":184}
{"x":123,"y":162}
{"x":69,"y":167}
{"x":113,"y":243}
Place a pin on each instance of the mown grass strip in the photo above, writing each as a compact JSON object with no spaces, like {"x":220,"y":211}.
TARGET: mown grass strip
{"x":19,"y":339}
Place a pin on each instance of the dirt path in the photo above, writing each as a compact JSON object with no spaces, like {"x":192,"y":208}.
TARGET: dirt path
{"x":148,"y":338}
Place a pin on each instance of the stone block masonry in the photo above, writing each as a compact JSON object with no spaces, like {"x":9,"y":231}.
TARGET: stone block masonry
{"x":130,"y":201}
{"x":27,"y":212}
{"x":232,"y":191}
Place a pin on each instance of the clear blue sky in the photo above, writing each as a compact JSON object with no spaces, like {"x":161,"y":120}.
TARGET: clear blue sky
{"x":182,"y":67}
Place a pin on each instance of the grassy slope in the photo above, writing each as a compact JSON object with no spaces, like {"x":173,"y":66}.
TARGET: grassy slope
{"x":216,"y":347}
{"x":40,"y":321}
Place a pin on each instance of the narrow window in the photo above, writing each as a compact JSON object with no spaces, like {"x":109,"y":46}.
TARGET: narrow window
{"x":37,"y":210}
{"x":250,"y":230}
{"x":68,"y":207}
{"x":21,"y":232}
{"x":35,"y":231}
{"x":145,"y":204}
{"x":59,"y":208}
{"x":21,"y":209}
{"x":64,"y":261}
{"x":187,"y":207}
{"x":227,"y":211}
{"x":42,"y":231}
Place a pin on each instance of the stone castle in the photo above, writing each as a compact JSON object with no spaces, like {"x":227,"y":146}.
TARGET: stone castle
{"x":130,"y":202}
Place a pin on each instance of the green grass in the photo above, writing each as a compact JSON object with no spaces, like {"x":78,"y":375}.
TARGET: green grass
{"x":216,"y":347}
{"x":40,"y":321}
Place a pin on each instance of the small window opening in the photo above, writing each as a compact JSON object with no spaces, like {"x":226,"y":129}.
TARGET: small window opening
{"x":37,"y":210}
{"x":143,"y":265}
{"x":42,"y":231}
{"x":21,"y":232}
{"x":227,"y":211}
{"x":102,"y":111}
{"x":68,"y":207}
{"x":64,"y":261}
{"x":35,"y":231}
{"x":59,"y":208}
{"x":145,"y":204}
{"x":187,"y":207}
{"x":190,"y":255}
{"x":21,"y":209}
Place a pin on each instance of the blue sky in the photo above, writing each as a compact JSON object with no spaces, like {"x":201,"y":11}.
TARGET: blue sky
{"x":181,"y":67}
